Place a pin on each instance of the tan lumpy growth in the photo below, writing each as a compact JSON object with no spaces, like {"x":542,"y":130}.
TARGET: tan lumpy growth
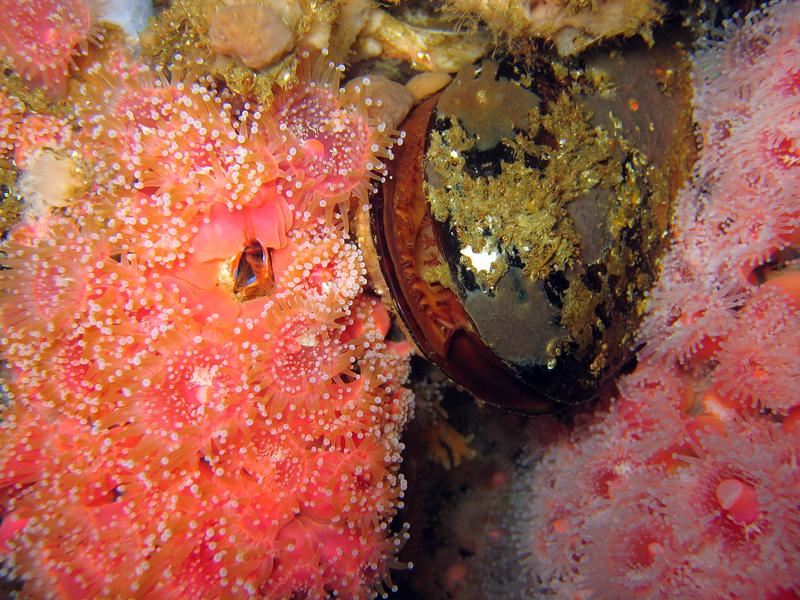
{"x":426,"y":84}
{"x":251,"y":32}
{"x":426,"y":41}
{"x":487,"y":108}
{"x":571,"y":25}
{"x":389,"y":102}
{"x":247,"y":44}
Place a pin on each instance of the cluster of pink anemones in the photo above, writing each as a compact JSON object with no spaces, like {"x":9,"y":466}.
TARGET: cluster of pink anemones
{"x":201,"y":398}
{"x":688,"y":485}
{"x":38,"y":38}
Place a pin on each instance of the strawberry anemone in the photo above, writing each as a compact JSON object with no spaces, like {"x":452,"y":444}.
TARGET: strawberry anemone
{"x":39,"y":38}
{"x":632,"y":549}
{"x":39,"y":293}
{"x":214,"y":159}
{"x":192,"y":356}
{"x":331,"y":144}
{"x":10,"y":114}
{"x":190,"y":386}
{"x":759,"y":367}
{"x":74,"y":563}
{"x":322,"y":265}
{"x":348,"y":558}
{"x":69,"y":554}
{"x":303,"y":353}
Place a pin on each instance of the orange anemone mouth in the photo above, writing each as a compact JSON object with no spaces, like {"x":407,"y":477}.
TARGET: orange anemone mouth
{"x":250,"y":272}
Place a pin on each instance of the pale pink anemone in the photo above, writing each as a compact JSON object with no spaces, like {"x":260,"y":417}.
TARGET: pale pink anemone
{"x":687,"y":486}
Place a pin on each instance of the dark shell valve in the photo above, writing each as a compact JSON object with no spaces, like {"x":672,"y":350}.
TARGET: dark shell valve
{"x":406,"y":244}
{"x":520,"y":226}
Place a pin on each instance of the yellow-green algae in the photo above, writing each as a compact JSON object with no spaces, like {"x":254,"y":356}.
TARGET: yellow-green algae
{"x":539,"y":203}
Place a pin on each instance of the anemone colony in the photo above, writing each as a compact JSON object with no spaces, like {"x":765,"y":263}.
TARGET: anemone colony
{"x":200,"y":396}
{"x":688,"y":487}
{"x":200,"y":399}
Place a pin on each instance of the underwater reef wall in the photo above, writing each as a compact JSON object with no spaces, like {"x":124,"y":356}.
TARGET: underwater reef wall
{"x":199,"y":398}
{"x":688,"y":485}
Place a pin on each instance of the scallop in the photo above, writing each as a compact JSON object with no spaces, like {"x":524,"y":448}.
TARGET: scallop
{"x":521,"y":225}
